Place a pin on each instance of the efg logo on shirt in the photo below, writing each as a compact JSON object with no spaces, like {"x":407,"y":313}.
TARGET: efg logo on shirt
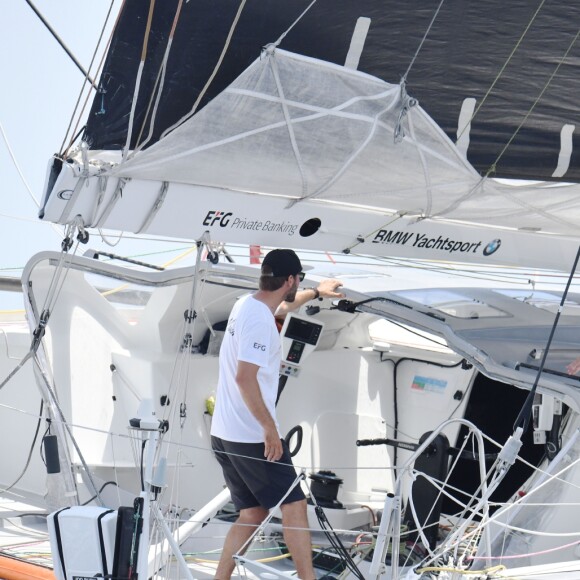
{"x":259,"y":346}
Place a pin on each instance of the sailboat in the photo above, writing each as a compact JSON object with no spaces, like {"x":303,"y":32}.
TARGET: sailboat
{"x":432,"y":414}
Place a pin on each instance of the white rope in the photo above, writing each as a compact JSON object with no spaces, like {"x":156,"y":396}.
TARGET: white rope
{"x":87,"y":81}
{"x":500,"y":73}
{"x":138,"y":79}
{"x":445,"y":484}
{"x":133,"y":109}
{"x":318,"y":113}
{"x":294,"y":484}
{"x":13,"y":157}
{"x":283,"y":36}
{"x":422,"y":42}
{"x":288,"y":123}
{"x":58,"y":279}
{"x":107,"y":240}
{"x":492,"y":169}
{"x":424,"y":165}
{"x":350,"y":160}
{"x":159,"y":87}
{"x":160,"y":82}
{"x":54,"y":227}
{"x":213,"y":74}
{"x":208,"y":449}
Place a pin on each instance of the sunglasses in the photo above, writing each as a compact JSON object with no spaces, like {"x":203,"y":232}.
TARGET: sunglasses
{"x":300,"y":276}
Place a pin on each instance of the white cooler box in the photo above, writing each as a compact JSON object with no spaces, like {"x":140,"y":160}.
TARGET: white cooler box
{"x":82,"y":539}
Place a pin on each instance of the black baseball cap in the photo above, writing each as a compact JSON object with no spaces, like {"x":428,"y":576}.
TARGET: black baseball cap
{"x":282,"y":263}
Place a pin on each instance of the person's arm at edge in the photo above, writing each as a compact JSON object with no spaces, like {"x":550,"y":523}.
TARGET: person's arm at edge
{"x":326,"y":289}
{"x":574,"y":366}
{"x":247,"y":381}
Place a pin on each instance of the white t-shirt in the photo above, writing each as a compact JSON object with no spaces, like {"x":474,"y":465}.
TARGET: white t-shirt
{"x":251,"y":336}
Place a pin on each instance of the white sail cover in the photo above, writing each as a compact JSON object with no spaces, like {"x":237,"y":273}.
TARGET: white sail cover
{"x":303,"y":128}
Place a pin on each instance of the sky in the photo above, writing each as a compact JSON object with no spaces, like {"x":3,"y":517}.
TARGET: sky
{"x":39,"y":88}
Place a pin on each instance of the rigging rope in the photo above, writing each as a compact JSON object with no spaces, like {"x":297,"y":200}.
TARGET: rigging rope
{"x":213,"y":74}
{"x":500,"y":73}
{"x":58,"y":279}
{"x":26,"y":465}
{"x":12,"y":156}
{"x":404,"y":79}
{"x":38,"y":334}
{"x":288,"y":123}
{"x":296,"y":483}
{"x":107,"y":241}
{"x":62,"y":44}
{"x":159,"y":84}
{"x":531,"y":109}
{"x":562,"y":535}
{"x":54,"y":227}
{"x":88,"y":78}
{"x":138,"y":79}
{"x":493,"y":166}
{"x":283,"y":35}
{"x":441,"y":491}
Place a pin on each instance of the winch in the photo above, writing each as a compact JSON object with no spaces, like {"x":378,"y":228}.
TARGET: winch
{"x":324,"y":488}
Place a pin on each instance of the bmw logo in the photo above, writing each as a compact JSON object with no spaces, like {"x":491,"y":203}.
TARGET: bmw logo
{"x":492,"y":247}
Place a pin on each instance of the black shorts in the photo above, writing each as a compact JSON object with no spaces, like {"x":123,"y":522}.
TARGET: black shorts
{"x":251,"y":479}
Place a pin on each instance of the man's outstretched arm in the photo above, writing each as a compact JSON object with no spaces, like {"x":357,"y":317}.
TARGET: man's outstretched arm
{"x":328,"y":288}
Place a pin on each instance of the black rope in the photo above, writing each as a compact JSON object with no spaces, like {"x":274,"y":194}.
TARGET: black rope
{"x":47,"y":432}
{"x":100,"y":490}
{"x":62,"y":44}
{"x":96,"y":255}
{"x":335,"y":542}
{"x":142,"y":466}
{"x":525,"y":414}
{"x":30,"y":451}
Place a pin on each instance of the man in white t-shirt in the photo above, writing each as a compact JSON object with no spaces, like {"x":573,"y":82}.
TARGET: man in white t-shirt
{"x":245,"y":436}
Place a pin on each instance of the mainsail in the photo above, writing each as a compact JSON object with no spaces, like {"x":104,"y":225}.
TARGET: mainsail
{"x":518,"y":61}
{"x":285,"y":149}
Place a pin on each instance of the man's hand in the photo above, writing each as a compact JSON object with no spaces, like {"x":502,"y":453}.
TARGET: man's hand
{"x":574,"y":366}
{"x":328,"y":288}
{"x":272,"y":444}
{"x":247,"y":380}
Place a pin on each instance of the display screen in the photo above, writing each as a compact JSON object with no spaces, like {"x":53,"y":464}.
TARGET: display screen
{"x":303,"y":330}
{"x":295,"y":352}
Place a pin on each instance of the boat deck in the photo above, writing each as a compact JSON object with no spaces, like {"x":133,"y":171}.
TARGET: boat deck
{"x":23,"y":532}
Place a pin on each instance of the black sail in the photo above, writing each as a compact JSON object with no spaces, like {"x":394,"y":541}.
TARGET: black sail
{"x":520,"y":64}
